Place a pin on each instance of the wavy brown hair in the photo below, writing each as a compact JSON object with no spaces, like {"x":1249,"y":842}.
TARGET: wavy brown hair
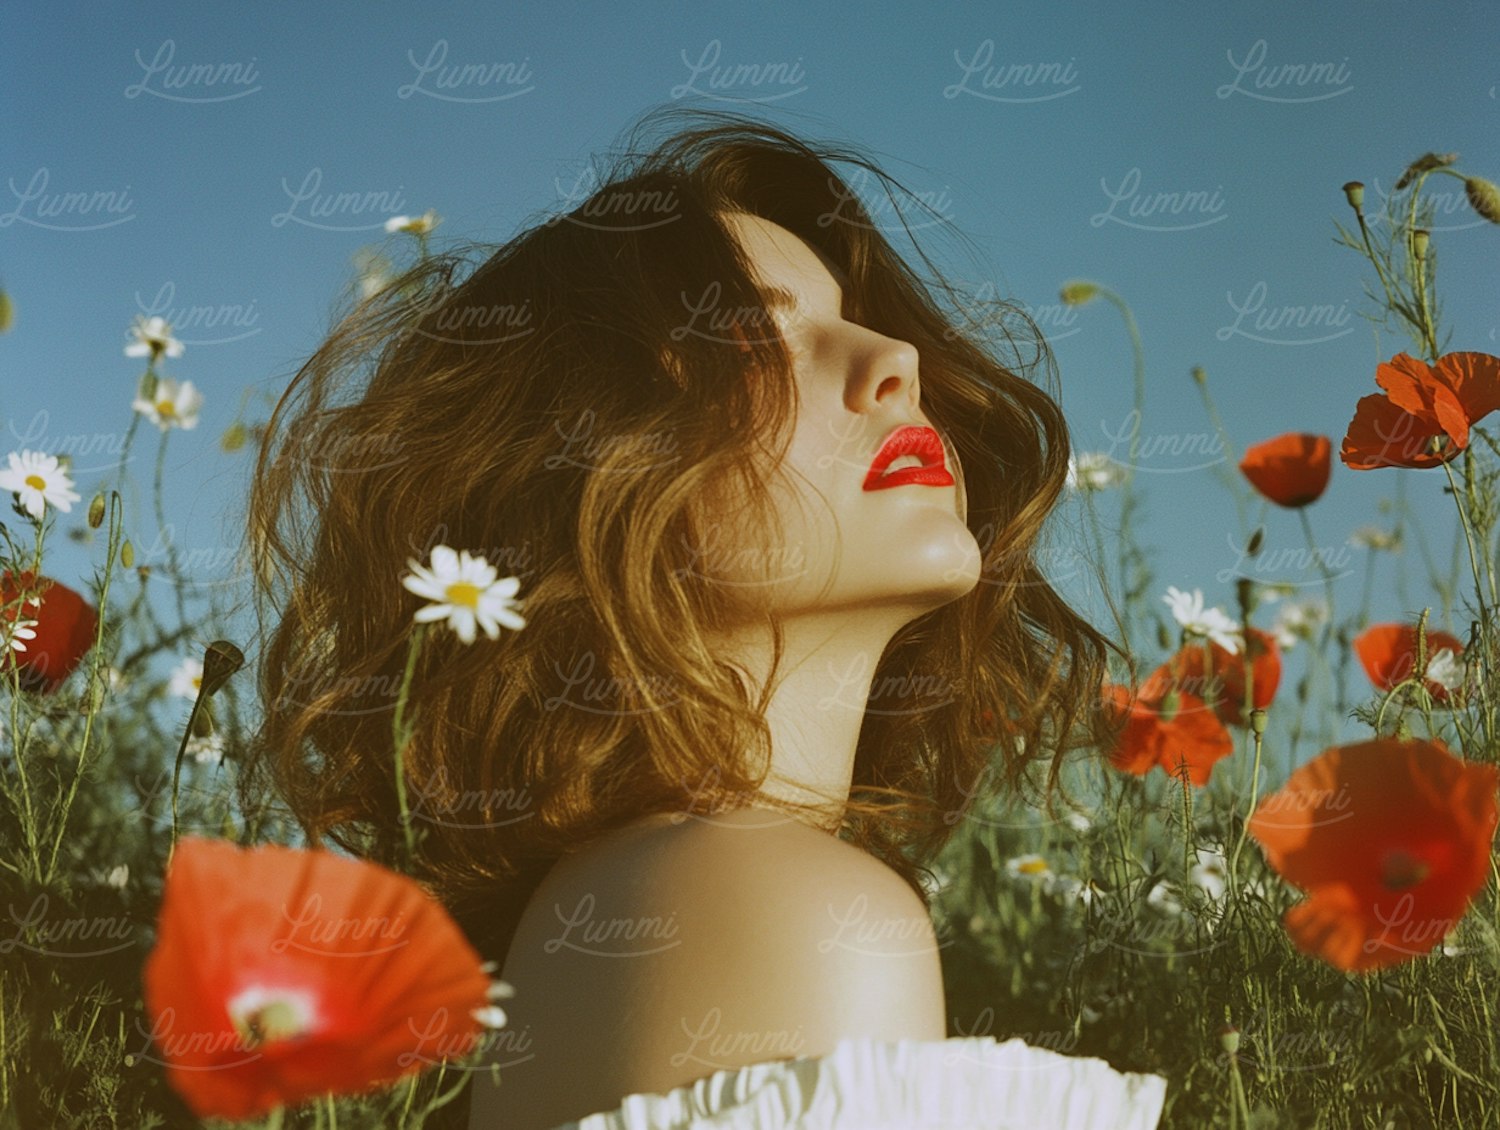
{"x":567,"y":409}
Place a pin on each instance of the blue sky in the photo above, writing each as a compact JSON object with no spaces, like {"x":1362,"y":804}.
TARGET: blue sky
{"x":1041,"y":132}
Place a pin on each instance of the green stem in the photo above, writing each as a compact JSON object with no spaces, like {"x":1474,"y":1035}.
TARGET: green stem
{"x":115,"y":528}
{"x":401,"y":732}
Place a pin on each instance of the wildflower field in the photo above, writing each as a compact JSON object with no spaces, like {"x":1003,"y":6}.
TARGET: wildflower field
{"x":1294,"y":934}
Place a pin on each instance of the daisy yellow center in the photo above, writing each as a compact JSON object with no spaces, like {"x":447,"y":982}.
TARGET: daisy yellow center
{"x":274,"y":1020}
{"x":1032,"y":866}
{"x":166,"y":408}
{"x":463,"y":593}
{"x":1400,"y":869}
{"x":36,"y":482}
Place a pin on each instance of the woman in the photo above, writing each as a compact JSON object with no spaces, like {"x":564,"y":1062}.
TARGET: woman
{"x":772,"y":505}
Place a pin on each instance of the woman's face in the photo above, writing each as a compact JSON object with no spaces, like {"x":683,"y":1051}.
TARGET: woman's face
{"x":904,"y":543}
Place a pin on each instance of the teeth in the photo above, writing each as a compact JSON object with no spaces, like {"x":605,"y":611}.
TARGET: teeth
{"x":903,"y":462}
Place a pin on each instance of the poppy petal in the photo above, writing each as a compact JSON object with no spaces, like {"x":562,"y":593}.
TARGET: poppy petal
{"x":1390,"y":838}
{"x":1291,"y":470}
{"x":280,"y":974}
{"x":1383,"y":435}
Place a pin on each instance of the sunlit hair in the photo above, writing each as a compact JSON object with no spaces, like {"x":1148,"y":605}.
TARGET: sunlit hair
{"x":570,"y":410}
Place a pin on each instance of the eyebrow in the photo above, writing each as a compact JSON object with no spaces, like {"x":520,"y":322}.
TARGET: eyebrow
{"x":779,"y":297}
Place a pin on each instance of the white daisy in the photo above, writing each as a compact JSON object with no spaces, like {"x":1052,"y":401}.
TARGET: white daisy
{"x":153,"y":337}
{"x":186,"y":678}
{"x":1031,"y":866}
{"x":119,"y":876}
{"x":206,"y":750}
{"x":18,"y":631}
{"x":465,"y":591}
{"x":1066,"y":888}
{"x":171,"y":405}
{"x":1297,"y":621}
{"x":1373,"y":537}
{"x":1163,"y":896}
{"x":1211,"y":872}
{"x":1445,"y":668}
{"x":1078,"y":822}
{"x":417,"y":225}
{"x":1093,"y":470}
{"x":39,"y":480}
{"x":1188,"y":610}
{"x":492,"y":1015}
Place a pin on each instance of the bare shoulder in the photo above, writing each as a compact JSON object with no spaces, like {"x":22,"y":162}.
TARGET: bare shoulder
{"x":675,"y":949}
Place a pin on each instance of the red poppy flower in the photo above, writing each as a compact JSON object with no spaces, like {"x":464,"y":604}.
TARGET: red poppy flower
{"x":1290,"y":470}
{"x":279,"y":975}
{"x":1390,"y":839}
{"x":1158,"y":732}
{"x":1224,"y":687}
{"x":1388,"y":653}
{"x":1441,"y":400}
{"x":65,"y":628}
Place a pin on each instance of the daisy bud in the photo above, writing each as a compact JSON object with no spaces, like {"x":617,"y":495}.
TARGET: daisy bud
{"x":127,"y":554}
{"x":1169,"y":705}
{"x":1419,"y":238}
{"x":1354,"y":192}
{"x":96,"y":511}
{"x":1229,"y":1038}
{"x":1484,"y":195}
{"x":1258,"y":721}
{"x":1077,"y":293}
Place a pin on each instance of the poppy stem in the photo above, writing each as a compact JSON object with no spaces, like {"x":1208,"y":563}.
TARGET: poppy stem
{"x":1485,"y":624}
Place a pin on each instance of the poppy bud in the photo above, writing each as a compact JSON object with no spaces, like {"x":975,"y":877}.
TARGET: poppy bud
{"x":1253,"y":549}
{"x":1484,"y":195}
{"x":1419,"y":238}
{"x":1170,"y":704}
{"x":147,"y":388}
{"x":221,"y":660}
{"x":233,"y":438}
{"x":1077,"y":293}
{"x":1258,"y":721}
{"x":96,"y":511}
{"x":1199,"y":375}
{"x":1229,"y":1038}
{"x":127,"y":554}
{"x":1354,"y":192}
{"x":7,"y":312}
{"x":1403,"y":731}
{"x":1163,"y":637}
{"x":203,"y":722}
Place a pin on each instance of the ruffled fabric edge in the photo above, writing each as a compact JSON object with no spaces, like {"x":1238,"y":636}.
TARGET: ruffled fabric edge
{"x":961,"y":1082}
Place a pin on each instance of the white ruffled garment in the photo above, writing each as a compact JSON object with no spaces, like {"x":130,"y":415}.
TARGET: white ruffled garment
{"x":961,"y":1083}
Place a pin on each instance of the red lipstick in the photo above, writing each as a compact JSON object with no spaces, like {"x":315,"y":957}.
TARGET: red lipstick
{"x":915,"y":440}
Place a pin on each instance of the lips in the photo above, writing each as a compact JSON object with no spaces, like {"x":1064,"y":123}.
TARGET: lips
{"x":922,"y":442}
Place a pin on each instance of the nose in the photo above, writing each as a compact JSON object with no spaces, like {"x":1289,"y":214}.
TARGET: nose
{"x":884,"y":374}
